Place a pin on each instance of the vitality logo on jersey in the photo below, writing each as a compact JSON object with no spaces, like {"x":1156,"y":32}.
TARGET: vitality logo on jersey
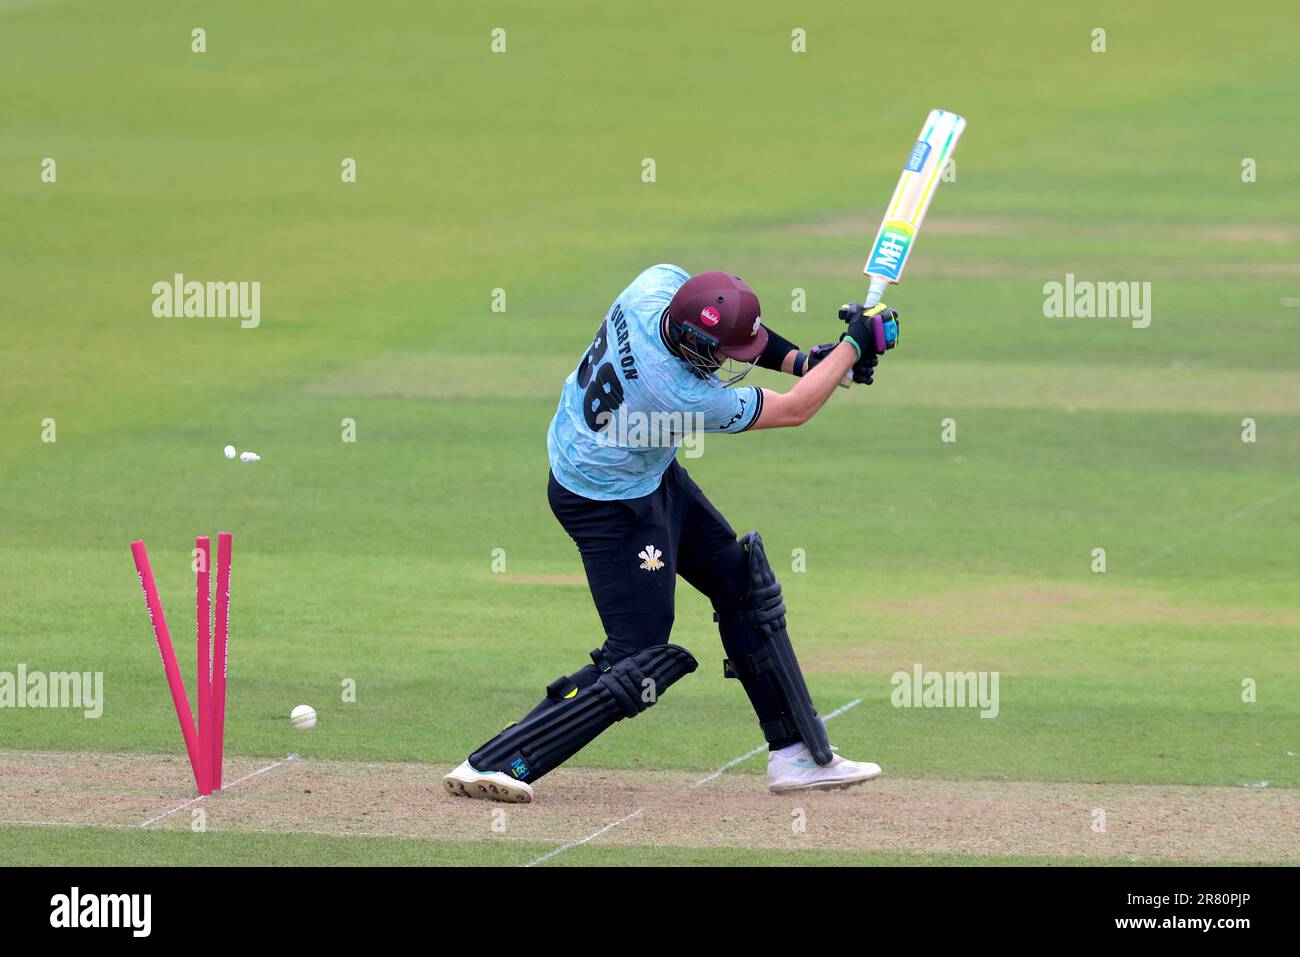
{"x":650,"y":560}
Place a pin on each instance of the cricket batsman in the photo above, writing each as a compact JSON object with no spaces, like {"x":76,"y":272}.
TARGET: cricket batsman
{"x":671,"y":346}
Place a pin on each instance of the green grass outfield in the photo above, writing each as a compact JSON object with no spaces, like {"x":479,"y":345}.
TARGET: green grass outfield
{"x":522,"y":171}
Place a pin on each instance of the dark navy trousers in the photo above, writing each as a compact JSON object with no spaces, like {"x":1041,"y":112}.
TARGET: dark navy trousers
{"x":634,"y":549}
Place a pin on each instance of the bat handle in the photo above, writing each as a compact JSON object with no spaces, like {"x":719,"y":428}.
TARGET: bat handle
{"x":875,"y":291}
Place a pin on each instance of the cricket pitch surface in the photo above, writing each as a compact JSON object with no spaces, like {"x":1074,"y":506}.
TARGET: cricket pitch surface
{"x":586,"y":807}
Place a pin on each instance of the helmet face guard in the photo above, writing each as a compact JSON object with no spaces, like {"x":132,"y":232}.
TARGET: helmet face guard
{"x":700,"y":350}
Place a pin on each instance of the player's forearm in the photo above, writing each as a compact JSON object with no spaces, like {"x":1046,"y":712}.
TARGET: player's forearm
{"x":811,"y":392}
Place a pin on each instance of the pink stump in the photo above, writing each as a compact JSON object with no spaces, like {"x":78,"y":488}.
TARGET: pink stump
{"x":173,"y":672}
{"x":220,"y":657}
{"x":203,"y":638}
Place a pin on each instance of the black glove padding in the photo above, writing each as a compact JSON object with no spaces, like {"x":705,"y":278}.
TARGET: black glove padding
{"x":862,"y":371}
{"x":865,"y":369}
{"x":860,"y":331}
{"x":874,"y":329}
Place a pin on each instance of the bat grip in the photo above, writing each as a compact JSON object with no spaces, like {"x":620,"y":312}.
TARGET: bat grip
{"x":875,"y":291}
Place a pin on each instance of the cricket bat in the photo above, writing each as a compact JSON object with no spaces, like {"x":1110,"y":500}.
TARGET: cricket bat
{"x":912,"y":197}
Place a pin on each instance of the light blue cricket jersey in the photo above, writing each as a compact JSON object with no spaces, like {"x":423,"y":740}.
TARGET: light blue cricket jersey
{"x":628,"y":378}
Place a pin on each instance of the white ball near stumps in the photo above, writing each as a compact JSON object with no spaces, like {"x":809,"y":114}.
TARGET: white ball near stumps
{"x":230,"y":452}
{"x":303,"y":717}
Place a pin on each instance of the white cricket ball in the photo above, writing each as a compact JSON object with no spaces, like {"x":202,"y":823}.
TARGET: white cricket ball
{"x":303,"y":717}
{"x":230,"y":451}
{"x":249,"y":457}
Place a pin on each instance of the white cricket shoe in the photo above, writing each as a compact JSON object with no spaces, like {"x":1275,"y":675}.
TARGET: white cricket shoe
{"x":490,"y":785}
{"x":799,"y":772}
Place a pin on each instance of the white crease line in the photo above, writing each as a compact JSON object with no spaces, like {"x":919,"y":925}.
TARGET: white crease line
{"x":19,"y":753}
{"x":1266,"y":500}
{"x":280,"y":832}
{"x":226,"y":787}
{"x":842,"y":708}
{"x":63,"y":824}
{"x":1226,"y":520}
{"x":592,"y":836}
{"x":225,"y":830}
{"x":718,"y":773}
{"x":181,"y":807}
{"x":763,"y":747}
{"x":730,"y":764}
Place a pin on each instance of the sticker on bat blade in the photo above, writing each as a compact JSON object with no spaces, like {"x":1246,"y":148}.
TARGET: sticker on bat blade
{"x":890,"y":251}
{"x":920,"y":153}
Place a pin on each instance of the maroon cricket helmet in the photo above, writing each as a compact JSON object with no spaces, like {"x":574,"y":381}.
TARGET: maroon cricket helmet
{"x":714,"y":317}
